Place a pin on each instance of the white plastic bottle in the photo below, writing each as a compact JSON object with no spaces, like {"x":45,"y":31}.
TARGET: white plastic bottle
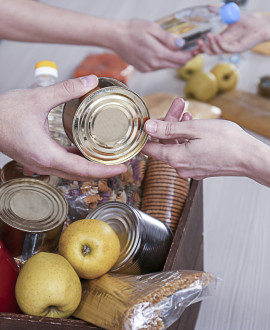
{"x":46,"y":74}
{"x":194,"y":23}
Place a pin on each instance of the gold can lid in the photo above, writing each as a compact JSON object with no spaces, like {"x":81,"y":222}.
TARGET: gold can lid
{"x":14,"y":170}
{"x":108,"y":125}
{"x":124,"y":222}
{"x":32,"y":205}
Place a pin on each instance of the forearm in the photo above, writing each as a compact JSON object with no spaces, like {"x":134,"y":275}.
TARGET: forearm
{"x":258,"y":163}
{"x":32,"y":21}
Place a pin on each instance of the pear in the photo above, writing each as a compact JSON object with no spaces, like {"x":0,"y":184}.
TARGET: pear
{"x":203,"y":86}
{"x":48,"y":285}
{"x":191,"y":67}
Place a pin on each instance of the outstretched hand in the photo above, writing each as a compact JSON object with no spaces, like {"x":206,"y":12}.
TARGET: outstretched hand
{"x":249,"y":31}
{"x":200,"y":148}
{"x":25,"y":137}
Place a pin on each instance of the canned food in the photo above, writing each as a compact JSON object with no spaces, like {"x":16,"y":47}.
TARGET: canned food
{"x":144,"y":240}
{"x":32,"y":214}
{"x":107,"y":123}
{"x":14,"y":170}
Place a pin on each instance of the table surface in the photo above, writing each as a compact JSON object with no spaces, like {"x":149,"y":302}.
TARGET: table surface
{"x":236,"y":209}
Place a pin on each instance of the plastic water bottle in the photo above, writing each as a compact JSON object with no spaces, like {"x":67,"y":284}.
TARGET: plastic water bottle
{"x":194,"y":23}
{"x":46,"y":74}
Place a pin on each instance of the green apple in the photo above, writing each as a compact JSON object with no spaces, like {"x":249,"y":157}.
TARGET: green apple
{"x":47,"y":285}
{"x":203,"y":86}
{"x":227,"y":76}
{"x":91,"y":246}
{"x":191,"y":67}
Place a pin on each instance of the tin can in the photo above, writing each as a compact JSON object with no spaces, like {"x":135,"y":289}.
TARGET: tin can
{"x":14,"y":170}
{"x":144,"y":240}
{"x":32,"y":214}
{"x":107,"y":123}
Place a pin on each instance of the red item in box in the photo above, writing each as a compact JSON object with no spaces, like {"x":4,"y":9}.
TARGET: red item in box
{"x":9,"y":272}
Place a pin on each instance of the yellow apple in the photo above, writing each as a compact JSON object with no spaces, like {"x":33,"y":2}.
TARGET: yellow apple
{"x":91,"y":246}
{"x":47,"y":285}
{"x":191,"y":67}
{"x":227,"y":76}
{"x":203,"y":86}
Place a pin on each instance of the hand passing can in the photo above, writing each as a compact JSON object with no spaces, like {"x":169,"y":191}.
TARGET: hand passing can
{"x":107,"y":123}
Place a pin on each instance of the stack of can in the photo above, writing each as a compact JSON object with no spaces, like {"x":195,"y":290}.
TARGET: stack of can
{"x":164,"y":193}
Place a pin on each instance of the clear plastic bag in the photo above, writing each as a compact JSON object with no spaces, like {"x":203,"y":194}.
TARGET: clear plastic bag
{"x":83,"y":197}
{"x":151,"y":301}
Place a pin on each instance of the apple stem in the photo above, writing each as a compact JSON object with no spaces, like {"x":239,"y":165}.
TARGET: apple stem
{"x":85,"y":250}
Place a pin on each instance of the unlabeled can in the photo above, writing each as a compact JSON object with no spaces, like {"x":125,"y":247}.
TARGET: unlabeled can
{"x":14,"y":170}
{"x":32,"y":214}
{"x":107,"y":123}
{"x":144,"y":240}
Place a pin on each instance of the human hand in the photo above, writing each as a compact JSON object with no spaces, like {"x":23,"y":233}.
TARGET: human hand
{"x":249,"y":31}
{"x":200,"y":148}
{"x":25,"y":137}
{"x":147,"y":46}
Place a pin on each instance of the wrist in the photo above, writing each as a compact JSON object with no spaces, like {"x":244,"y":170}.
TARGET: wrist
{"x":258,"y":162}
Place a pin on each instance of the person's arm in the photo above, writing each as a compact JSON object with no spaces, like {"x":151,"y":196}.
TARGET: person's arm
{"x":249,"y":31}
{"x":207,"y":147}
{"x":25,"y":137}
{"x":143,"y":44}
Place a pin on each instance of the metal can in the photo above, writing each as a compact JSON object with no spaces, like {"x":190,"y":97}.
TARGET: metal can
{"x":32,"y":214}
{"x":14,"y":170}
{"x":144,"y":240}
{"x":107,"y":123}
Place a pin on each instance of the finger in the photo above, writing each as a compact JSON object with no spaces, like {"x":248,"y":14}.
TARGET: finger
{"x":213,"y":9}
{"x":169,"y":130}
{"x":168,"y":39}
{"x":167,"y":154}
{"x":68,"y":165}
{"x":176,"y":110}
{"x":173,"y":115}
{"x":204,"y":47}
{"x":186,"y":116}
{"x":67,"y":90}
{"x":213,"y":45}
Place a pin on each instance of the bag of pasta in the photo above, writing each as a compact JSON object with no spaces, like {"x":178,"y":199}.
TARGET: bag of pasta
{"x":151,"y":301}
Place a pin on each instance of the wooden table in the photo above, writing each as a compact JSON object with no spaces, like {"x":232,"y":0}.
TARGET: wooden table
{"x":236,"y":210}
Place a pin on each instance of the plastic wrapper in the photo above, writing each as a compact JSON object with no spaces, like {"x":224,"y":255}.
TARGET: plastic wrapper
{"x":83,"y":197}
{"x":165,"y":193}
{"x":105,"y":65}
{"x":152,"y":301}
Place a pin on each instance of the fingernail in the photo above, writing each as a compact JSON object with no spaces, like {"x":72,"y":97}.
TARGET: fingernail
{"x":89,"y":81}
{"x":151,"y":126}
{"x":179,"y":42}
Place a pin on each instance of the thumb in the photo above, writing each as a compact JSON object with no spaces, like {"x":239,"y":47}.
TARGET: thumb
{"x":68,"y":90}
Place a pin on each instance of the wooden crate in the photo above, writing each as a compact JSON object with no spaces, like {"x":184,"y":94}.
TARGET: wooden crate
{"x":186,"y":253}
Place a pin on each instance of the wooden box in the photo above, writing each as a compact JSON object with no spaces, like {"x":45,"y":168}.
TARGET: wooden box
{"x":186,"y":253}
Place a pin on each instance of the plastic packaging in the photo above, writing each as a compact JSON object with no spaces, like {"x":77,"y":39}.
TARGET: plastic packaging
{"x":195,"y":22}
{"x":83,"y":197}
{"x":46,"y":74}
{"x":105,"y":65}
{"x":152,"y":301}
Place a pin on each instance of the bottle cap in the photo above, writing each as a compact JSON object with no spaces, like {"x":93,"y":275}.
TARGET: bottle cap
{"x":230,"y":13}
{"x":47,"y":68}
